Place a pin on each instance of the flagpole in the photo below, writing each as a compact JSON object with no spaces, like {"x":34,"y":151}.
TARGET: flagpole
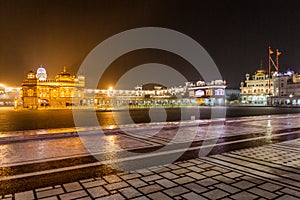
{"x":269,"y":66}
{"x":277,"y":59}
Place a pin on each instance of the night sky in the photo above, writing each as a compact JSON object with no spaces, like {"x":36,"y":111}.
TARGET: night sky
{"x":235,"y":33}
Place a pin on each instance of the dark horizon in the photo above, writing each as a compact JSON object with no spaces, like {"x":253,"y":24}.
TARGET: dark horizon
{"x":57,"y":33}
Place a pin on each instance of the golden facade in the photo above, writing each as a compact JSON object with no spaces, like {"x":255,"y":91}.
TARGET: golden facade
{"x":39,"y":92}
{"x":256,"y":89}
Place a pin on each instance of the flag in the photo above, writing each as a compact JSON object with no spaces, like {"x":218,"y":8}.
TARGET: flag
{"x":270,"y":51}
{"x":278,"y":53}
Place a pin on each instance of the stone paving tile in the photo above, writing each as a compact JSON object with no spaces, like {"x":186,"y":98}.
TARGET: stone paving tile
{"x":136,"y":182}
{"x":207,"y":182}
{"x":195,"y":169}
{"x":244,"y":195}
{"x":73,"y":195}
{"x":169,"y":175}
{"x":243,"y":184}
{"x":141,"y":198}
{"x":291,"y":192}
{"x":48,"y":193}
{"x":151,"y":178}
{"x":114,"y":186}
{"x":173,"y":166}
{"x":192,"y":196}
{"x":159,"y":195}
{"x":112,"y":197}
{"x":195,"y":187}
{"x":69,"y":187}
{"x":150,"y":188}
{"x":270,"y":187}
{"x":227,"y":188}
{"x":53,"y":198}
{"x":196,"y":176}
{"x":232,"y":174}
{"x":224,"y":179}
{"x":181,"y":171}
{"x":97,"y":191}
{"x":263,"y":193}
{"x":215,"y":194}
{"x":130,"y":192}
{"x":287,"y":197}
{"x":211,"y":173}
{"x":205,"y":165}
{"x":176,"y":191}
{"x":166,"y":183}
{"x":160,"y":169}
{"x":183,"y":180}
{"x":196,"y":161}
{"x":94,"y":183}
{"x":28,"y":195}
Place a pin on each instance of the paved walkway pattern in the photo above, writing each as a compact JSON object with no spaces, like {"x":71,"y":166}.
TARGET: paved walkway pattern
{"x":266,"y":172}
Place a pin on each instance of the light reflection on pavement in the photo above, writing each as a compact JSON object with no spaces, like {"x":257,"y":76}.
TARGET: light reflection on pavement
{"x":35,"y":150}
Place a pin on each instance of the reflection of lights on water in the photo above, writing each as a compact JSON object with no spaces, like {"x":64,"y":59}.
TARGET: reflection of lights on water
{"x":111,"y":127}
{"x":269,"y":123}
{"x":111,"y":138}
{"x":41,"y":149}
{"x":41,"y":132}
{"x":269,"y":128}
{"x":111,"y":143}
{"x":5,"y":157}
{"x":111,"y":148}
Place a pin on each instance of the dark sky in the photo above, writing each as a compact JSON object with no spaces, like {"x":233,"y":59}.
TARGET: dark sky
{"x":235,"y":33}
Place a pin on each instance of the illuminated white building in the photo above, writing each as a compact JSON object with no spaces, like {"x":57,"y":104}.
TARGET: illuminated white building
{"x":286,"y":90}
{"x":8,"y":95}
{"x":256,"y":89}
{"x":139,"y":97}
{"x":208,"y":93}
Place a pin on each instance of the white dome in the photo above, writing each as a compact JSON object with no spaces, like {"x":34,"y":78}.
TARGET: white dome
{"x":41,"y":74}
{"x":41,"y":70}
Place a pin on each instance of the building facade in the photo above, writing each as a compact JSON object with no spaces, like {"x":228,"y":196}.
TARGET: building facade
{"x":140,"y":97}
{"x":208,"y":93}
{"x":9,"y":95}
{"x":192,"y":94}
{"x":65,"y":90}
{"x":38,"y":91}
{"x":257,"y":88}
{"x":286,"y":90}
